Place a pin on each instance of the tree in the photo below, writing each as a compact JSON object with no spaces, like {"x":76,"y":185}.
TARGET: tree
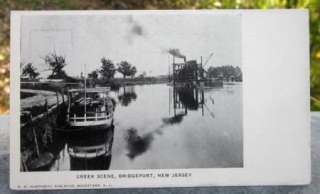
{"x":107,"y":69}
{"x":238,"y":73}
{"x":213,"y":72}
{"x":126,"y":69}
{"x":227,"y":72}
{"x":143,"y":75}
{"x":56,"y":63}
{"x":30,"y":71}
{"x":133,"y":71}
{"x":93,"y":75}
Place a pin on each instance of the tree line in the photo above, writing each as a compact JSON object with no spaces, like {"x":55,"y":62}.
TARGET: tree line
{"x":226,"y":72}
{"x":57,"y":63}
{"x":108,"y":69}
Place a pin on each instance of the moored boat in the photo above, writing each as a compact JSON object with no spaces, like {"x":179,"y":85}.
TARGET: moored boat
{"x":89,"y":108}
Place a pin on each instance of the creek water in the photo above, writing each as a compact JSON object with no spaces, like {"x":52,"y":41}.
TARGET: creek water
{"x":158,"y":126}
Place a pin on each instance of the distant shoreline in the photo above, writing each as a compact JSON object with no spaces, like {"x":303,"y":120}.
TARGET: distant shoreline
{"x":56,"y":85}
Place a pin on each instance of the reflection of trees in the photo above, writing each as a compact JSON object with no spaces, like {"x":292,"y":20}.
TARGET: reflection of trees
{"x":127,"y":95}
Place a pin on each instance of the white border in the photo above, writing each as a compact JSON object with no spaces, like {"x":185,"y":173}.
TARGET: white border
{"x":275,"y":62}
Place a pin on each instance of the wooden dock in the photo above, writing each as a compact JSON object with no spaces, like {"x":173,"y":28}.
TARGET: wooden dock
{"x":41,"y":103}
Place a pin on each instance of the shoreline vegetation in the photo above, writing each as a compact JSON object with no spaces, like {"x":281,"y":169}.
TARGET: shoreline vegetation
{"x":105,"y":74}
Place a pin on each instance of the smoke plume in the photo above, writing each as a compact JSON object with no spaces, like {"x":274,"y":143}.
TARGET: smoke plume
{"x":135,"y":30}
{"x":176,"y":53}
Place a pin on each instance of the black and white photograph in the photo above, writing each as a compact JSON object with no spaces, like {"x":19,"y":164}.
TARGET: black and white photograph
{"x":130,"y":91}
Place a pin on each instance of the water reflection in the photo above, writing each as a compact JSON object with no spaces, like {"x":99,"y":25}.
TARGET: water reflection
{"x":202,"y":128}
{"x":174,"y":119}
{"x":187,"y":98}
{"x":184,"y":99}
{"x":137,"y":144}
{"x":126,"y":95}
{"x":91,"y":150}
{"x":86,"y":150}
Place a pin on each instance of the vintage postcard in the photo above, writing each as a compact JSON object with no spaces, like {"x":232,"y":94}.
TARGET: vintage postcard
{"x":107,"y":99}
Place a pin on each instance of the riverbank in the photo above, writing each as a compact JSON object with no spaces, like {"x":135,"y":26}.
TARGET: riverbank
{"x":116,"y":83}
{"x":40,"y":110}
{"x":36,"y":137}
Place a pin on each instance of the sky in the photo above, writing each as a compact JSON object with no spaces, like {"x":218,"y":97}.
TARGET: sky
{"x":141,"y":39}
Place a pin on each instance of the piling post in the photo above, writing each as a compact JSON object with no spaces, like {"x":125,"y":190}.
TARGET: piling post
{"x":36,"y":142}
{"x":35,"y":137}
{"x":62,"y":94}
{"x":202,"y":101}
{"x":57,"y":94}
{"x":196,"y":94}
{"x":24,"y":165}
{"x":198,"y":70}
{"x":46,"y":106}
{"x":173,"y":72}
{"x":174,"y":100}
